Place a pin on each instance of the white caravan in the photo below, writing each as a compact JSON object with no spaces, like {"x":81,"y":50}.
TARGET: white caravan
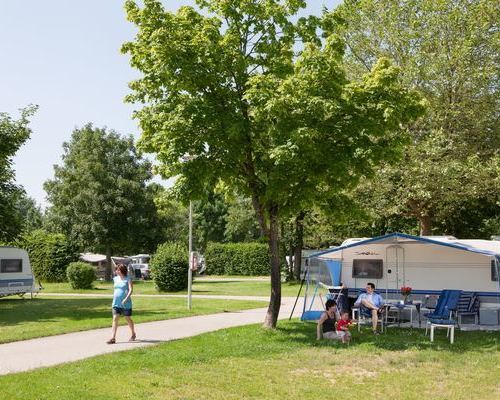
{"x":426,"y":264}
{"x":16,"y":276}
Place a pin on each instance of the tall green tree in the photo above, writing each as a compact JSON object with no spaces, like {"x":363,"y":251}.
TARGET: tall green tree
{"x":230,"y":90}
{"x":210,"y":219}
{"x":448,"y":49}
{"x":98,"y":195}
{"x":173,"y":216}
{"x":241,"y":224}
{"x":13,"y":134}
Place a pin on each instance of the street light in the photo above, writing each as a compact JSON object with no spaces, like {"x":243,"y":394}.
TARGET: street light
{"x":191,"y":255}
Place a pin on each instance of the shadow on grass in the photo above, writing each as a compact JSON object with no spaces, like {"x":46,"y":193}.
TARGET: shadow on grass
{"x":395,"y":339}
{"x":17,"y":311}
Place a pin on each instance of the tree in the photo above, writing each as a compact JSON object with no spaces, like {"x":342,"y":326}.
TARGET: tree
{"x":229,"y":91}
{"x":173,"y":216}
{"x":448,"y":49}
{"x":98,"y":195}
{"x":241,"y":224}
{"x":30,"y":213}
{"x":13,"y":134}
{"x":210,"y":219}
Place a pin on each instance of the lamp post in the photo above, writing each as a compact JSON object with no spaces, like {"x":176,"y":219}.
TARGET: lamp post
{"x":191,"y":260}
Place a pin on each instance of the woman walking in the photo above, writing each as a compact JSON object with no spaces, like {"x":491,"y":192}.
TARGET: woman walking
{"x":122,"y":303}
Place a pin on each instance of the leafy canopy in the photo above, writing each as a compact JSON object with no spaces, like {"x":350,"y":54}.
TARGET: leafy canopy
{"x":98,"y":195}
{"x":231,"y":90}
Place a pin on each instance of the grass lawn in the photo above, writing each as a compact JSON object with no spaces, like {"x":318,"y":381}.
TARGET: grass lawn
{"x":251,"y":363}
{"x":44,"y":316}
{"x":214,"y":287}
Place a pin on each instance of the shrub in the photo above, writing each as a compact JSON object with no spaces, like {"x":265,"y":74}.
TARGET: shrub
{"x":50,"y":254}
{"x":169,"y":267}
{"x":80,"y":275}
{"x":238,"y":259}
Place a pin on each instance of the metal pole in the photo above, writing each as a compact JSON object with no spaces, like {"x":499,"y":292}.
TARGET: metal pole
{"x":190,"y":271}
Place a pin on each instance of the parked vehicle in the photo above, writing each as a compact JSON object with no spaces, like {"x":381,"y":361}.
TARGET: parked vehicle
{"x":141,"y":262}
{"x":16,"y":276}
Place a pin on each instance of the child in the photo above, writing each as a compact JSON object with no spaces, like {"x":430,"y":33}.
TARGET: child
{"x":343,"y":327}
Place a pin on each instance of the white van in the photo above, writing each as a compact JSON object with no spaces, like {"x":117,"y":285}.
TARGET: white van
{"x":16,"y":276}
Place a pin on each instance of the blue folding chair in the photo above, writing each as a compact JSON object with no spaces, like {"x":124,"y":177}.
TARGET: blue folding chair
{"x":468,"y":305}
{"x":442,"y":316}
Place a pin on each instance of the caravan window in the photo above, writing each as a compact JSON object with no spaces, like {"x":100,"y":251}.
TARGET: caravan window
{"x":494,"y":271}
{"x":11,"y":265}
{"x":370,"y":269}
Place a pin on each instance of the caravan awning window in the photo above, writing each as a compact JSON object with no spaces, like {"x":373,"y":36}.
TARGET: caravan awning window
{"x":369,"y":269}
{"x":11,"y":265}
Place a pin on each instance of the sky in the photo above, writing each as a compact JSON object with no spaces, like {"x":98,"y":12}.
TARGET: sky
{"x":65,"y":57}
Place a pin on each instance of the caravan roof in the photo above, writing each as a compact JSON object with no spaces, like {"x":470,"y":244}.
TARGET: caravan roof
{"x":486,"y":247}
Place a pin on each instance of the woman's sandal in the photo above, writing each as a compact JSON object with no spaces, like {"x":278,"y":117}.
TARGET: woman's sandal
{"x":111,"y":341}
{"x":132,"y":338}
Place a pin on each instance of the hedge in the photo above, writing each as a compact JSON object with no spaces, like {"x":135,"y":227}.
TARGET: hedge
{"x":237,"y":259}
{"x":50,"y":254}
{"x":169,"y":267}
{"x":80,"y":275}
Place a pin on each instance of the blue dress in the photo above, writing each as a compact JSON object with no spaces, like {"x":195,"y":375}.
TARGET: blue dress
{"x":120,"y":292}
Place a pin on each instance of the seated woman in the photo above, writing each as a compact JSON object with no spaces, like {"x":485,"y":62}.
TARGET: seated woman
{"x":327,"y":322}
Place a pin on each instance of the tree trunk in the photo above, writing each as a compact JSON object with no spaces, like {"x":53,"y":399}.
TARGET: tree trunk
{"x":108,"y":274}
{"x":275,"y":300}
{"x":299,"y":236}
{"x":425,"y":225}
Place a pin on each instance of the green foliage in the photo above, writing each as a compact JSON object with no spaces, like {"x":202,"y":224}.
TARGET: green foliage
{"x":448,"y":49}
{"x":226,"y":95}
{"x":80,"y":275}
{"x":13,"y":133}
{"x":241,"y":225}
{"x":169,"y":267}
{"x":237,"y":259}
{"x":50,"y":254}
{"x":98,"y":195}
{"x":209,"y":219}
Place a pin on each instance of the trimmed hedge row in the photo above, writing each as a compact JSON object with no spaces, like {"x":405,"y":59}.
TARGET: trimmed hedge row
{"x":237,"y":259}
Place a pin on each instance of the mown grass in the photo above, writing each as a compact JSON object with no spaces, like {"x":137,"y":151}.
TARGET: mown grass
{"x":252,"y":363}
{"x":44,"y":316}
{"x":213,"y":287}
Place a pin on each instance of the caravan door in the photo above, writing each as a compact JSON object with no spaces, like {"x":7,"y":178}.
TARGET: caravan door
{"x":394,"y":270}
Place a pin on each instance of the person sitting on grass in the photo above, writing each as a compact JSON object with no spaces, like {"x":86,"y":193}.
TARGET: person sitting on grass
{"x":343,"y":327}
{"x":371,"y":304}
{"x":326,"y":323}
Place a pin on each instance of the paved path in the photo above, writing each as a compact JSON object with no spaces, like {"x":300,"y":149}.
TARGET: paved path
{"x":194,"y":296}
{"x":42,"y":352}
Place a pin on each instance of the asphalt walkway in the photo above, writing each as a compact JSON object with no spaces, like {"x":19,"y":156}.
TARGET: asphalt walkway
{"x":43,"y":352}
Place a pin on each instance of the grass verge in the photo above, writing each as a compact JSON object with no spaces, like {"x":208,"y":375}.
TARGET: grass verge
{"x":252,"y":363}
{"x":45,"y":316}
{"x":243,"y":287}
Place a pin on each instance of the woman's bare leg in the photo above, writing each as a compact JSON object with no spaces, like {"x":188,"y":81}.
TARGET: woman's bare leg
{"x":130,"y":324}
{"x":114,"y":326}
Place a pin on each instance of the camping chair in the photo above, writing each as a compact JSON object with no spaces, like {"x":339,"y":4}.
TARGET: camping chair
{"x":442,"y":316}
{"x":363,"y":315}
{"x":468,"y":305}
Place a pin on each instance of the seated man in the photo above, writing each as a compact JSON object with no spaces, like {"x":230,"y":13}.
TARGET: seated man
{"x":372,"y":303}
{"x":327,"y":322}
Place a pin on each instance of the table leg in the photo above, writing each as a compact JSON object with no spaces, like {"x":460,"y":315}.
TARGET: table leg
{"x":452,"y":335}
{"x":432,"y":333}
